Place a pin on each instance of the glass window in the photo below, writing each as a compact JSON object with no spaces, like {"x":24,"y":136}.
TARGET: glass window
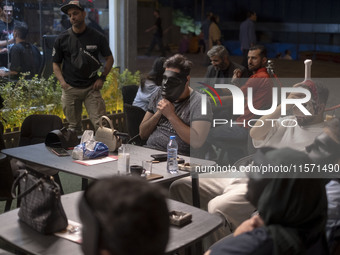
{"x":45,"y":18}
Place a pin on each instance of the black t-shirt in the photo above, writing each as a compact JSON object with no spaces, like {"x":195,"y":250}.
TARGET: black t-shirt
{"x":6,"y":33}
{"x":92,"y":41}
{"x":25,"y":57}
{"x":159,"y":30}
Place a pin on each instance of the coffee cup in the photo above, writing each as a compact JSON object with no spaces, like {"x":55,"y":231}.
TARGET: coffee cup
{"x":136,"y":170}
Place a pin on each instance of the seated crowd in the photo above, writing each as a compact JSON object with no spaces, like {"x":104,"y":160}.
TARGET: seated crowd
{"x":282,"y":214}
{"x":258,"y":217}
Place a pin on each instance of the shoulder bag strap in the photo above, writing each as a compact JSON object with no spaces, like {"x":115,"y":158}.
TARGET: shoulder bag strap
{"x":73,"y":41}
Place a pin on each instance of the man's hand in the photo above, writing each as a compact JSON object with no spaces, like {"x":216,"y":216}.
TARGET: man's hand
{"x":64,"y":85}
{"x":3,"y":50}
{"x":98,"y":84}
{"x":236,"y":75}
{"x":249,"y":225}
{"x":166,"y":108}
{"x":3,"y":73}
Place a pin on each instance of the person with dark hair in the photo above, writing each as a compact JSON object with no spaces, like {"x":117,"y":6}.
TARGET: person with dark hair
{"x":24,"y":56}
{"x":150,"y":84}
{"x":247,"y":35}
{"x":76,"y":64}
{"x":288,"y":55}
{"x":157,"y":36}
{"x":7,"y":23}
{"x":225,"y":196}
{"x":175,"y":109}
{"x":262,"y":98}
{"x":292,"y":211}
{"x":124,"y":215}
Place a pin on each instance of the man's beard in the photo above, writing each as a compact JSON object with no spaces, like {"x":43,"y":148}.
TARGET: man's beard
{"x":254,"y":68}
{"x":221,"y":66}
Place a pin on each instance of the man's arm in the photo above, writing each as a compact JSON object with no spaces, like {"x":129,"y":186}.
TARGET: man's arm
{"x":59,"y":75}
{"x":194,"y":135}
{"x":107,"y":68}
{"x":198,"y":131}
{"x":148,"y":124}
{"x":4,"y":43}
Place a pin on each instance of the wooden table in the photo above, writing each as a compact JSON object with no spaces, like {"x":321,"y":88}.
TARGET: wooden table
{"x":22,"y":238}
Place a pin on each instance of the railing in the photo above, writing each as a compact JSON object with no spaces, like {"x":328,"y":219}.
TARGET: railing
{"x":11,"y":137}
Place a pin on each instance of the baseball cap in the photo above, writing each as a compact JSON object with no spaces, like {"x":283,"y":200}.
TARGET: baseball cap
{"x":71,"y":4}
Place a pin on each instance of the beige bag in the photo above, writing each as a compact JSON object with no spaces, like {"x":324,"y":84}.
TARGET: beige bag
{"x":108,"y":135}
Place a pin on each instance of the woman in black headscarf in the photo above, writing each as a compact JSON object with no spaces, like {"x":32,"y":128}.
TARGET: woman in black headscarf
{"x":292,"y":211}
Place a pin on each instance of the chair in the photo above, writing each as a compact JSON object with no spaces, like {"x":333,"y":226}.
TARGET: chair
{"x":133,"y":117}
{"x":6,"y":181}
{"x":34,"y":130}
{"x":129,"y":93}
{"x":6,"y":175}
{"x":47,"y":68}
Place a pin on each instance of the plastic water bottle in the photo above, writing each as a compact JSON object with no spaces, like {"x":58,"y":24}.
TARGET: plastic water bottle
{"x":124,"y":159}
{"x":172,"y":147}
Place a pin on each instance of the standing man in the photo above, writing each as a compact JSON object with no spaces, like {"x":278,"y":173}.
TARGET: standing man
{"x":7,"y":24}
{"x":157,"y":36}
{"x":247,"y":35}
{"x":75,"y":64}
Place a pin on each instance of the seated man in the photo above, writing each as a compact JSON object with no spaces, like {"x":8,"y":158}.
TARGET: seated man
{"x":124,"y":215}
{"x":175,"y":109}
{"x":261,"y":87}
{"x":226,"y":195}
{"x":24,"y":57}
{"x":222,"y":69}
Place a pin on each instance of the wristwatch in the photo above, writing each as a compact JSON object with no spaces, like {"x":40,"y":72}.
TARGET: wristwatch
{"x":103,"y":77}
